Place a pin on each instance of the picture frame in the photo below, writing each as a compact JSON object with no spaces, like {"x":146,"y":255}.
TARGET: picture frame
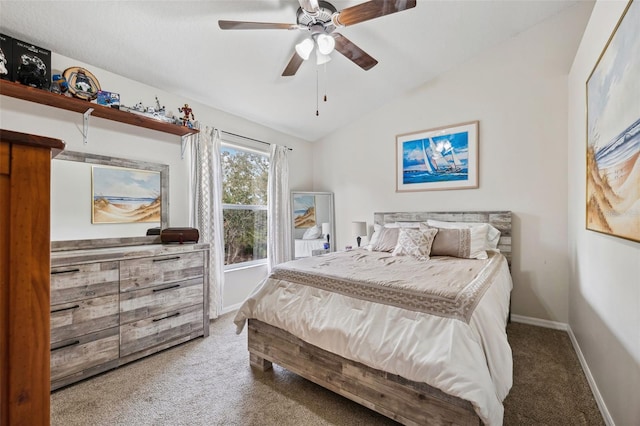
{"x":125,"y":195}
{"x":304,"y":211}
{"x":438,"y":159}
{"x":613,"y":133}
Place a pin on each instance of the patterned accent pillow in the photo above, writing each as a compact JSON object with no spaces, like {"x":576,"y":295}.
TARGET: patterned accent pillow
{"x":492,"y":238}
{"x":415,"y":242}
{"x":464,"y":242}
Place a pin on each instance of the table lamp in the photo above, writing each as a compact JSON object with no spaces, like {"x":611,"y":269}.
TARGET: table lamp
{"x":326,"y":229}
{"x":358,"y":229}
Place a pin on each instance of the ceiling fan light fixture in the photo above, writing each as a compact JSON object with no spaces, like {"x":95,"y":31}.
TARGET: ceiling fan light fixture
{"x":326,"y":43}
{"x":321,"y":58}
{"x":304,"y":48}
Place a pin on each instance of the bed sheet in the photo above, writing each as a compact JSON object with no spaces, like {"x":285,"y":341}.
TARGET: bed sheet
{"x":303,"y":248}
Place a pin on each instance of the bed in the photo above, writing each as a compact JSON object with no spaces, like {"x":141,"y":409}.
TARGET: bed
{"x":367,"y":333}
{"x":304,"y":248}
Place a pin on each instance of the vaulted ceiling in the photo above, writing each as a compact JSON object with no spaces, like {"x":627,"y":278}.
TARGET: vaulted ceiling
{"x":178,"y":46}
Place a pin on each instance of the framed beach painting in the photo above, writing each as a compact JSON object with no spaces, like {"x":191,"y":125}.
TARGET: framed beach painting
{"x":435,"y":159}
{"x":304,"y":211}
{"x":122,"y":195}
{"x":613,"y":133}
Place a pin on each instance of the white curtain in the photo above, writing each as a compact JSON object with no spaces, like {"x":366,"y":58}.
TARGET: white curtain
{"x":206,"y":207}
{"x":279,"y":230}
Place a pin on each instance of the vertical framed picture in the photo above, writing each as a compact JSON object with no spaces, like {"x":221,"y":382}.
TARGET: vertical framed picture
{"x":435,"y":159}
{"x":613,"y":133}
{"x":304,"y":211}
{"x":122,"y":195}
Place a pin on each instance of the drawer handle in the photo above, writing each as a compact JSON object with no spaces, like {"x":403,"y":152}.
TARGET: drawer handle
{"x":167,"y":259}
{"x":75,"y":342}
{"x":65,"y":309}
{"x":155,"y":290}
{"x":67,"y":271}
{"x":169,"y":316}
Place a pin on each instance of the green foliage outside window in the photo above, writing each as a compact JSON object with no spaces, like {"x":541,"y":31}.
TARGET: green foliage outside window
{"x":244,"y":198}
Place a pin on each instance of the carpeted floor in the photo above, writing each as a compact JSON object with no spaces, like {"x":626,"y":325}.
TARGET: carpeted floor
{"x":209,"y":382}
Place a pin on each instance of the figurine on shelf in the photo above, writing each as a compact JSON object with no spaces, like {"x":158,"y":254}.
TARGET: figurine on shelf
{"x":59,"y":85}
{"x":187,"y":111}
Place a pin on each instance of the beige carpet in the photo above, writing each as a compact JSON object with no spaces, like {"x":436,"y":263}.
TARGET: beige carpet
{"x":209,"y":382}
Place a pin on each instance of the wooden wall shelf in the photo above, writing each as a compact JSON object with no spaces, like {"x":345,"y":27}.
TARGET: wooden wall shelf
{"x":31,"y":94}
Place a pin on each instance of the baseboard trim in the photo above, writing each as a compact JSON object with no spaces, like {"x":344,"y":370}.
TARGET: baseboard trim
{"x":606,"y":416}
{"x":227,"y":309}
{"x":540,"y":322}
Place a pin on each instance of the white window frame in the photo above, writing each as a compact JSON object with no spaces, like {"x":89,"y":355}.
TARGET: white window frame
{"x":244,"y":147}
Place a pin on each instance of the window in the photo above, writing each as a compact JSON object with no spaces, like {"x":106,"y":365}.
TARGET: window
{"x":244,"y":205}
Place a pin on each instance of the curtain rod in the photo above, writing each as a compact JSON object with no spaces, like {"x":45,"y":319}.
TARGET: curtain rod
{"x":251,"y":139}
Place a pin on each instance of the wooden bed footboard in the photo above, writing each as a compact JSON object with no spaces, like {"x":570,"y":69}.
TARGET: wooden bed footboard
{"x":410,"y":403}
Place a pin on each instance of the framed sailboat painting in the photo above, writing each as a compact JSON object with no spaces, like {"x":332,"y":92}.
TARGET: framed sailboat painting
{"x":436,"y":159}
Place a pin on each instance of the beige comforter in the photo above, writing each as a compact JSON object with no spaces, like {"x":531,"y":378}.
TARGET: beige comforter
{"x":441,"y":321}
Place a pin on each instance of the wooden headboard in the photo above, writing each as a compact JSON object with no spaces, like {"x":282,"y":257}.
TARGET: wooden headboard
{"x":501,"y":220}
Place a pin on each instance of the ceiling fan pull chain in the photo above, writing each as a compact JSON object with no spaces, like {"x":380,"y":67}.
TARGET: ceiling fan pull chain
{"x":317,"y":93}
{"x":326,"y":82}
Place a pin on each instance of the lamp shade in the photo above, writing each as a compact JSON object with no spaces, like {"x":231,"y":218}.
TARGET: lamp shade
{"x":321,"y":58}
{"x":326,"y":228}
{"x":304,"y":48}
{"x":359,"y":229}
{"x":326,"y":43}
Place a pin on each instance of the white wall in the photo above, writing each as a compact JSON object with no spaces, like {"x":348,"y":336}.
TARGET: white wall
{"x":125,"y":141}
{"x":518,"y":93}
{"x":604,"y":290}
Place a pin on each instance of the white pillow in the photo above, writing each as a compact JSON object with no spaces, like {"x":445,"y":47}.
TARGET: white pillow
{"x":312,"y":233}
{"x":375,"y":237}
{"x":415,"y":242}
{"x":493,"y":235}
{"x":477,"y":239}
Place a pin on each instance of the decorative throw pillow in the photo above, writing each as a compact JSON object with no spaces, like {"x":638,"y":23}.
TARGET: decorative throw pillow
{"x":415,"y":242}
{"x":493,"y":235}
{"x":312,"y":233}
{"x":464,"y":242}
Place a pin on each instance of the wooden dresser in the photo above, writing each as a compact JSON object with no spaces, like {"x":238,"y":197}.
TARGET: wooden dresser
{"x":111,"y":306}
{"x":25,"y":173}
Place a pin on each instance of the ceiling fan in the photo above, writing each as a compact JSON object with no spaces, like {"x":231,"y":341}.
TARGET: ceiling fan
{"x":322,"y":19}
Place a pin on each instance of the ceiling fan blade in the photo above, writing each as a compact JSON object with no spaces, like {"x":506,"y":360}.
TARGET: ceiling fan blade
{"x":293,"y":65}
{"x":353,"y":52}
{"x":242,"y":25}
{"x":372,"y":9}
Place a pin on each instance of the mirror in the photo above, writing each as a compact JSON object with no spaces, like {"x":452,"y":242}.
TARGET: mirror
{"x":74,"y":191}
{"x":312,"y":215}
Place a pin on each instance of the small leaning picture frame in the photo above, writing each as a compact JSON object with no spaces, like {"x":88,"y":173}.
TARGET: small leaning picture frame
{"x":438,"y":159}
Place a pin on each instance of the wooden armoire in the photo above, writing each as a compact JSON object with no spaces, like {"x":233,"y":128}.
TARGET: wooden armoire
{"x":25,"y":175}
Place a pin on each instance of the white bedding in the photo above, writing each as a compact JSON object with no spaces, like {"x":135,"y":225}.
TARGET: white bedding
{"x":468,"y":358}
{"x":303,"y":248}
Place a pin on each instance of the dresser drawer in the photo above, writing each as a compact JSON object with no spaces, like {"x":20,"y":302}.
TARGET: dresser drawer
{"x":79,"y":282}
{"x":69,"y":320}
{"x":71,"y":357}
{"x":153,"y":301}
{"x":146,"y":333}
{"x":149,"y":271}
